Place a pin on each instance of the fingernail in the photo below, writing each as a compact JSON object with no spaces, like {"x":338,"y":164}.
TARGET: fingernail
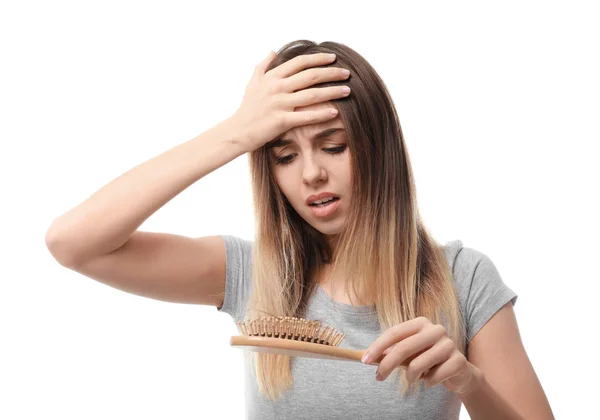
{"x":378,"y":376}
{"x":366,"y":358}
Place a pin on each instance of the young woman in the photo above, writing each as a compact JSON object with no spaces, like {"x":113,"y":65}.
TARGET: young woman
{"x":338,"y":239}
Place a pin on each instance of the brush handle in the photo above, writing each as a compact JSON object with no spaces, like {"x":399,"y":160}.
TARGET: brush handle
{"x":298,"y":348}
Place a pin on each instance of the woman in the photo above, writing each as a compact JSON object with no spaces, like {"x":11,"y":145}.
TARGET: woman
{"x":361,"y":262}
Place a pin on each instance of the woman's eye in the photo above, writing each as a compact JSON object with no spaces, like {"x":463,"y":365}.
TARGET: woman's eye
{"x":334,"y":150}
{"x":286,"y":160}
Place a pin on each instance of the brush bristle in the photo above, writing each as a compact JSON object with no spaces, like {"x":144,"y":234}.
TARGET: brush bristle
{"x":291,"y":328}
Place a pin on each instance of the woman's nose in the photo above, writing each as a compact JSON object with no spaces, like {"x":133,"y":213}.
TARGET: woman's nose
{"x":313,"y":171}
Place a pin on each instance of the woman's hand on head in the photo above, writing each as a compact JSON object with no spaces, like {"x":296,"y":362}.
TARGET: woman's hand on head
{"x":268,"y":106}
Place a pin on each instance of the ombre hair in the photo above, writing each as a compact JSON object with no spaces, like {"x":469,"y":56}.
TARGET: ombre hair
{"x":384,"y":251}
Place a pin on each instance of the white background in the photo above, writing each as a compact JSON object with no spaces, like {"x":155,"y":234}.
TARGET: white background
{"x":499,"y":106}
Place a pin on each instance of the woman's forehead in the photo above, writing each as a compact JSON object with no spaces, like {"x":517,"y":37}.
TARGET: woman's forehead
{"x":309,"y":130}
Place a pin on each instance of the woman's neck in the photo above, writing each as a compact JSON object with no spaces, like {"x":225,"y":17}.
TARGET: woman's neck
{"x":335,"y":288}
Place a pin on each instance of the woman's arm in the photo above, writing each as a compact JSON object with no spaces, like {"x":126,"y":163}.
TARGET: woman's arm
{"x":507,"y":386}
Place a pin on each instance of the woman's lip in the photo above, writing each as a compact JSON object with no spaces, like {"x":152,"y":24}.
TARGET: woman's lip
{"x":319,"y":199}
{"x":321,"y":196}
{"x":326,"y":211}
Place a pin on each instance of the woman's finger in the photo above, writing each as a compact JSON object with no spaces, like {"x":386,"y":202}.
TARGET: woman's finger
{"x":299,"y":63}
{"x":261,"y":67}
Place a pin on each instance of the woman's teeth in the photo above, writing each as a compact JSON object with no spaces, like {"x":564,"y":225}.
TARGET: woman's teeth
{"x":324,"y":202}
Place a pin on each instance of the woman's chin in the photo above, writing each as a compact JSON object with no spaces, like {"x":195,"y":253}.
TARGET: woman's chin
{"x":332,"y":228}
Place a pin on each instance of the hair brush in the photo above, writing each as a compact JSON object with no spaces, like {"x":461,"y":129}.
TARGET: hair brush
{"x":295,"y":337}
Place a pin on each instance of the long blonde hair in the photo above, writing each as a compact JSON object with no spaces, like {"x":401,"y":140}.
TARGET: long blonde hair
{"x":384,"y":252}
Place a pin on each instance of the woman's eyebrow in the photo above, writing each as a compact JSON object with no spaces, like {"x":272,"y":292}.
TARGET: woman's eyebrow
{"x":320,"y":135}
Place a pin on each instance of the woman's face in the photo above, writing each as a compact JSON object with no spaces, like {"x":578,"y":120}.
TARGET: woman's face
{"x":315,"y":160}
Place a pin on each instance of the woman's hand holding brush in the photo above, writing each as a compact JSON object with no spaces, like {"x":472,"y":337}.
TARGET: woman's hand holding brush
{"x":426,"y":352}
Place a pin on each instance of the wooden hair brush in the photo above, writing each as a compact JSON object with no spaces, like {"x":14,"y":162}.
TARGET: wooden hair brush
{"x":295,"y":337}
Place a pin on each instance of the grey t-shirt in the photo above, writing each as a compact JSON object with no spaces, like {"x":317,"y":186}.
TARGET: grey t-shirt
{"x":331,"y":389}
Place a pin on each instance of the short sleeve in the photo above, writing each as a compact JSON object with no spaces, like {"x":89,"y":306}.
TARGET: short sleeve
{"x":481,"y":289}
{"x":238,"y":255}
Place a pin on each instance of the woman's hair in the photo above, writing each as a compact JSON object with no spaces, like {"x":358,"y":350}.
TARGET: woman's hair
{"x":384,"y":251}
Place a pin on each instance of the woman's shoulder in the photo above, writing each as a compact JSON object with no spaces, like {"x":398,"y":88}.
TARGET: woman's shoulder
{"x":476,"y":276}
{"x":237,"y":243}
{"x":465,"y":264}
{"x":451,"y":250}
{"x":463,"y":258}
